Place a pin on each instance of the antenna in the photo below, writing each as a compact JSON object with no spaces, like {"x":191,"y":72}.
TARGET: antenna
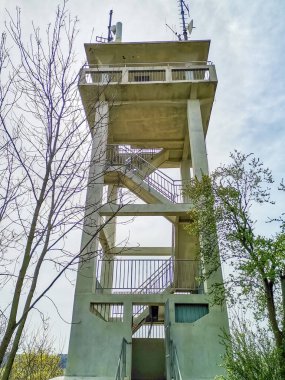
{"x":183,"y":7}
{"x":112,"y":30}
{"x":176,"y":34}
{"x":182,"y":13}
{"x":110,"y":38}
{"x":190,"y":27}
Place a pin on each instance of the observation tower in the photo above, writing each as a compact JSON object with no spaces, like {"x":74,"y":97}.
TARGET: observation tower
{"x":142,"y":312}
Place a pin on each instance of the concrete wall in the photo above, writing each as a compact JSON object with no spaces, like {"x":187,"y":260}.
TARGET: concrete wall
{"x":95,"y":345}
{"x":148,"y":359}
{"x":198,"y":344}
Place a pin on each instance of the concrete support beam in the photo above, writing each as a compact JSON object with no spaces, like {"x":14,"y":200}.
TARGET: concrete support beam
{"x":197,"y":139}
{"x":82,"y":326}
{"x":142,"y":251}
{"x":157,"y":161}
{"x":89,"y":245}
{"x":185,"y":166}
{"x":105,"y":244}
{"x":147,"y":299}
{"x":166,"y":143}
{"x":146,"y":210}
{"x":186,"y":147}
{"x":110,"y":233}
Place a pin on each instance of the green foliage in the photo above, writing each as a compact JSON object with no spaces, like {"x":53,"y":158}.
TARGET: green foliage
{"x":36,"y":365}
{"x":223,"y":218}
{"x":36,"y":359}
{"x":250,"y":355}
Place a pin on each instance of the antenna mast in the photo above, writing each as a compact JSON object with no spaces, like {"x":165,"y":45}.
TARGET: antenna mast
{"x":186,"y":27}
{"x":112,"y":30}
{"x":183,"y":19}
{"x":110,"y":38}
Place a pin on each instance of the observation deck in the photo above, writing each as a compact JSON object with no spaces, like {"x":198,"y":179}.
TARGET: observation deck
{"x":147,"y":86}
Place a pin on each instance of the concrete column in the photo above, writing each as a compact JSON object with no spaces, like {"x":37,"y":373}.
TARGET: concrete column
{"x":125,"y":75}
{"x":213,"y":74}
{"x":83,"y":334}
{"x":199,"y":161}
{"x":168,"y":74}
{"x":185,"y":166}
{"x":110,"y":228}
{"x":128,"y":319}
{"x":197,"y":139}
{"x":89,"y":243}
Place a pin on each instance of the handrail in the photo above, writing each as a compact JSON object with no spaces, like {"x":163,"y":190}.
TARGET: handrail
{"x":146,"y":74}
{"x":148,"y":64}
{"x":120,"y":153}
{"x":175,"y":367}
{"x":135,"y":276}
{"x":156,"y":276}
{"x":121,"y":369}
{"x":153,"y":177}
{"x":172,"y":362}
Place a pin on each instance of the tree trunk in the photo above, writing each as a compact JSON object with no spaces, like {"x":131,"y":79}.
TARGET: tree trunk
{"x":282,"y":280}
{"x":278,"y":334}
{"x":14,"y":349}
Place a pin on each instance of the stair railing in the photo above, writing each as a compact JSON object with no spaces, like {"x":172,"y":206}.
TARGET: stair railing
{"x":121,"y":369}
{"x":135,"y":163}
{"x":174,"y":364}
{"x":119,"y":154}
{"x":158,"y":277}
{"x":147,"y":276}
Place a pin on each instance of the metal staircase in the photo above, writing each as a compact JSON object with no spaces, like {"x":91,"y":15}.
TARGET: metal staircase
{"x":138,"y":168}
{"x":162,"y":276}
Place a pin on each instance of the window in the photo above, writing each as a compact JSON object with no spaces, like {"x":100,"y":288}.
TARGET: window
{"x":189,"y":313}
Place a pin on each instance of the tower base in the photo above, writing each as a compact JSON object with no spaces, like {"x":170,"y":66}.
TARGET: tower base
{"x":83,"y":378}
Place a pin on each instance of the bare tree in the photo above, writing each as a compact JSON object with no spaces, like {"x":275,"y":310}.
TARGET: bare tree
{"x":36,"y":358}
{"x":10,"y":184}
{"x":44,"y":170}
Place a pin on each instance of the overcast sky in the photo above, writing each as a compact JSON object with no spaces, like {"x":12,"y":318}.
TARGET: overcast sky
{"x":248,"y":49}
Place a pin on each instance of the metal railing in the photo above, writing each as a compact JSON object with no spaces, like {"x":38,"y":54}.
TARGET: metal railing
{"x":102,"y":77}
{"x":189,"y":75}
{"x":150,"y":331}
{"x":109,"y":312}
{"x":116,"y":66}
{"x":174,"y":363}
{"x":136,"y":164}
{"x":146,"y":75}
{"x":160,"y":279}
{"x":121,"y":369}
{"x":122,"y":154}
{"x":147,"y":276}
{"x":166,"y":186}
{"x":147,"y":72}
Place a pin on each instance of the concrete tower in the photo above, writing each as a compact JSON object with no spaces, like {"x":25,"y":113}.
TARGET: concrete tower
{"x":141,"y":312}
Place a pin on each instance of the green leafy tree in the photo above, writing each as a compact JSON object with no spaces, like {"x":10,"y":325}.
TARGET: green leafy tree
{"x":223,"y":206}
{"x":36,"y":359}
{"x":36,"y":365}
{"x":250,"y":354}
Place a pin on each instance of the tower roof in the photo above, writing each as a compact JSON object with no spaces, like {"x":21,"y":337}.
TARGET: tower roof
{"x":147,"y":52}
